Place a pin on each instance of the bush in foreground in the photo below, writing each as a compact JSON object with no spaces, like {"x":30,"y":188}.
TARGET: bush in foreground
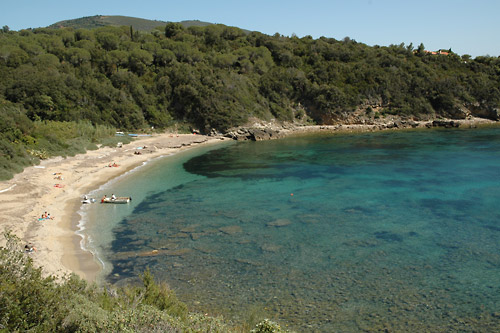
{"x":31,"y":302}
{"x":267,"y":326}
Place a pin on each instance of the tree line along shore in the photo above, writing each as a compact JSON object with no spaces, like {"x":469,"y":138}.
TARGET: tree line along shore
{"x":64,"y":90}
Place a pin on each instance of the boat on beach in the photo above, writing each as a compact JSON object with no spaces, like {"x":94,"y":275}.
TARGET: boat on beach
{"x":117,"y":200}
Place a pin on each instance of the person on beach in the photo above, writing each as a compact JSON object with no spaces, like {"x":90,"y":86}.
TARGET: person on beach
{"x":29,"y":248}
{"x":49,"y":217}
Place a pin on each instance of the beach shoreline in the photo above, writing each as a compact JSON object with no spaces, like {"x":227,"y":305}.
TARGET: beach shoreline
{"x":58,"y":185}
{"x":387,"y":124}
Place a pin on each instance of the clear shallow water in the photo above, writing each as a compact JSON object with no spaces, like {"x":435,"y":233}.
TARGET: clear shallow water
{"x":397,"y":230}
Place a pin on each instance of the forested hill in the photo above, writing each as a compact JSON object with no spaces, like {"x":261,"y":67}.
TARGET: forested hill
{"x":219,"y":77}
{"x":96,"y":21}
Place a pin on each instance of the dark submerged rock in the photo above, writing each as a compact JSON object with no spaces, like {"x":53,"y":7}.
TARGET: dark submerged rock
{"x":388,"y":236}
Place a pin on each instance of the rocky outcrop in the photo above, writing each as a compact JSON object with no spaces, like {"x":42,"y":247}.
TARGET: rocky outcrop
{"x":459,"y":112}
{"x":444,"y":123}
{"x":254,"y":134}
{"x":495,"y":114}
{"x":402,"y":124}
{"x":267,"y":131}
{"x":486,"y":112}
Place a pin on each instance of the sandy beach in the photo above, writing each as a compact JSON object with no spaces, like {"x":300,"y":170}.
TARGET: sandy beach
{"x":57,"y":187}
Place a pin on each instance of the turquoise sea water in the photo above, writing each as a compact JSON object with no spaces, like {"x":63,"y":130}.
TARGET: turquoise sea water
{"x":372,"y":231}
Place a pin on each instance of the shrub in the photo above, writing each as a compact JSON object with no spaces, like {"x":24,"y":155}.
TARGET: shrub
{"x":267,"y":326}
{"x":157,"y":295}
{"x":31,"y":302}
{"x":28,"y":300}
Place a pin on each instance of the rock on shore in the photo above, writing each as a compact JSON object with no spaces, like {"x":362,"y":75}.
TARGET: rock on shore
{"x":260,"y":131}
{"x":254,"y":134}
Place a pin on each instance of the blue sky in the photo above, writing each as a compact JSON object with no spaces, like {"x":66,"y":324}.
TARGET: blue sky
{"x":465,"y":26}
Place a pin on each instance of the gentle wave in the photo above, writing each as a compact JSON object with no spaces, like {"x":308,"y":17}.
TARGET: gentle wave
{"x":8,"y":189}
{"x":86,"y":242}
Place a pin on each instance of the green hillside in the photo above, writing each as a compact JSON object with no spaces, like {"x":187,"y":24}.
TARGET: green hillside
{"x":92,"y":22}
{"x":63,"y":90}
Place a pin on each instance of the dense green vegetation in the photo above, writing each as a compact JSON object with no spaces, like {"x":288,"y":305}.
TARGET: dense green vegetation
{"x":31,"y":302}
{"x":24,"y":142}
{"x":83,"y":83}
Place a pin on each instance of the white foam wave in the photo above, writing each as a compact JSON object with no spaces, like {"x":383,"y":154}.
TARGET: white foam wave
{"x":86,"y":242}
{"x":8,"y":189}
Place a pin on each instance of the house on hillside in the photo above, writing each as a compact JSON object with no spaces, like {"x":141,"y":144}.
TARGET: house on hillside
{"x":440,"y":51}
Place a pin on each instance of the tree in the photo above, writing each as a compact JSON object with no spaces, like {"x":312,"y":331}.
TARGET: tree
{"x":421,"y":49}
{"x":77,"y":56}
{"x":83,"y":34}
{"x":164,"y":57}
{"x":173,"y":29}
{"x":13,"y":56}
{"x":139,"y":60}
{"x":108,"y":41}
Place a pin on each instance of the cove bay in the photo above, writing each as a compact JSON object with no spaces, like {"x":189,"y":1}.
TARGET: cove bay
{"x":321,"y":232}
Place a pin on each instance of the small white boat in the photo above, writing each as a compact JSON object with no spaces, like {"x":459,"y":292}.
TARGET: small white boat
{"x":117,"y":200}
